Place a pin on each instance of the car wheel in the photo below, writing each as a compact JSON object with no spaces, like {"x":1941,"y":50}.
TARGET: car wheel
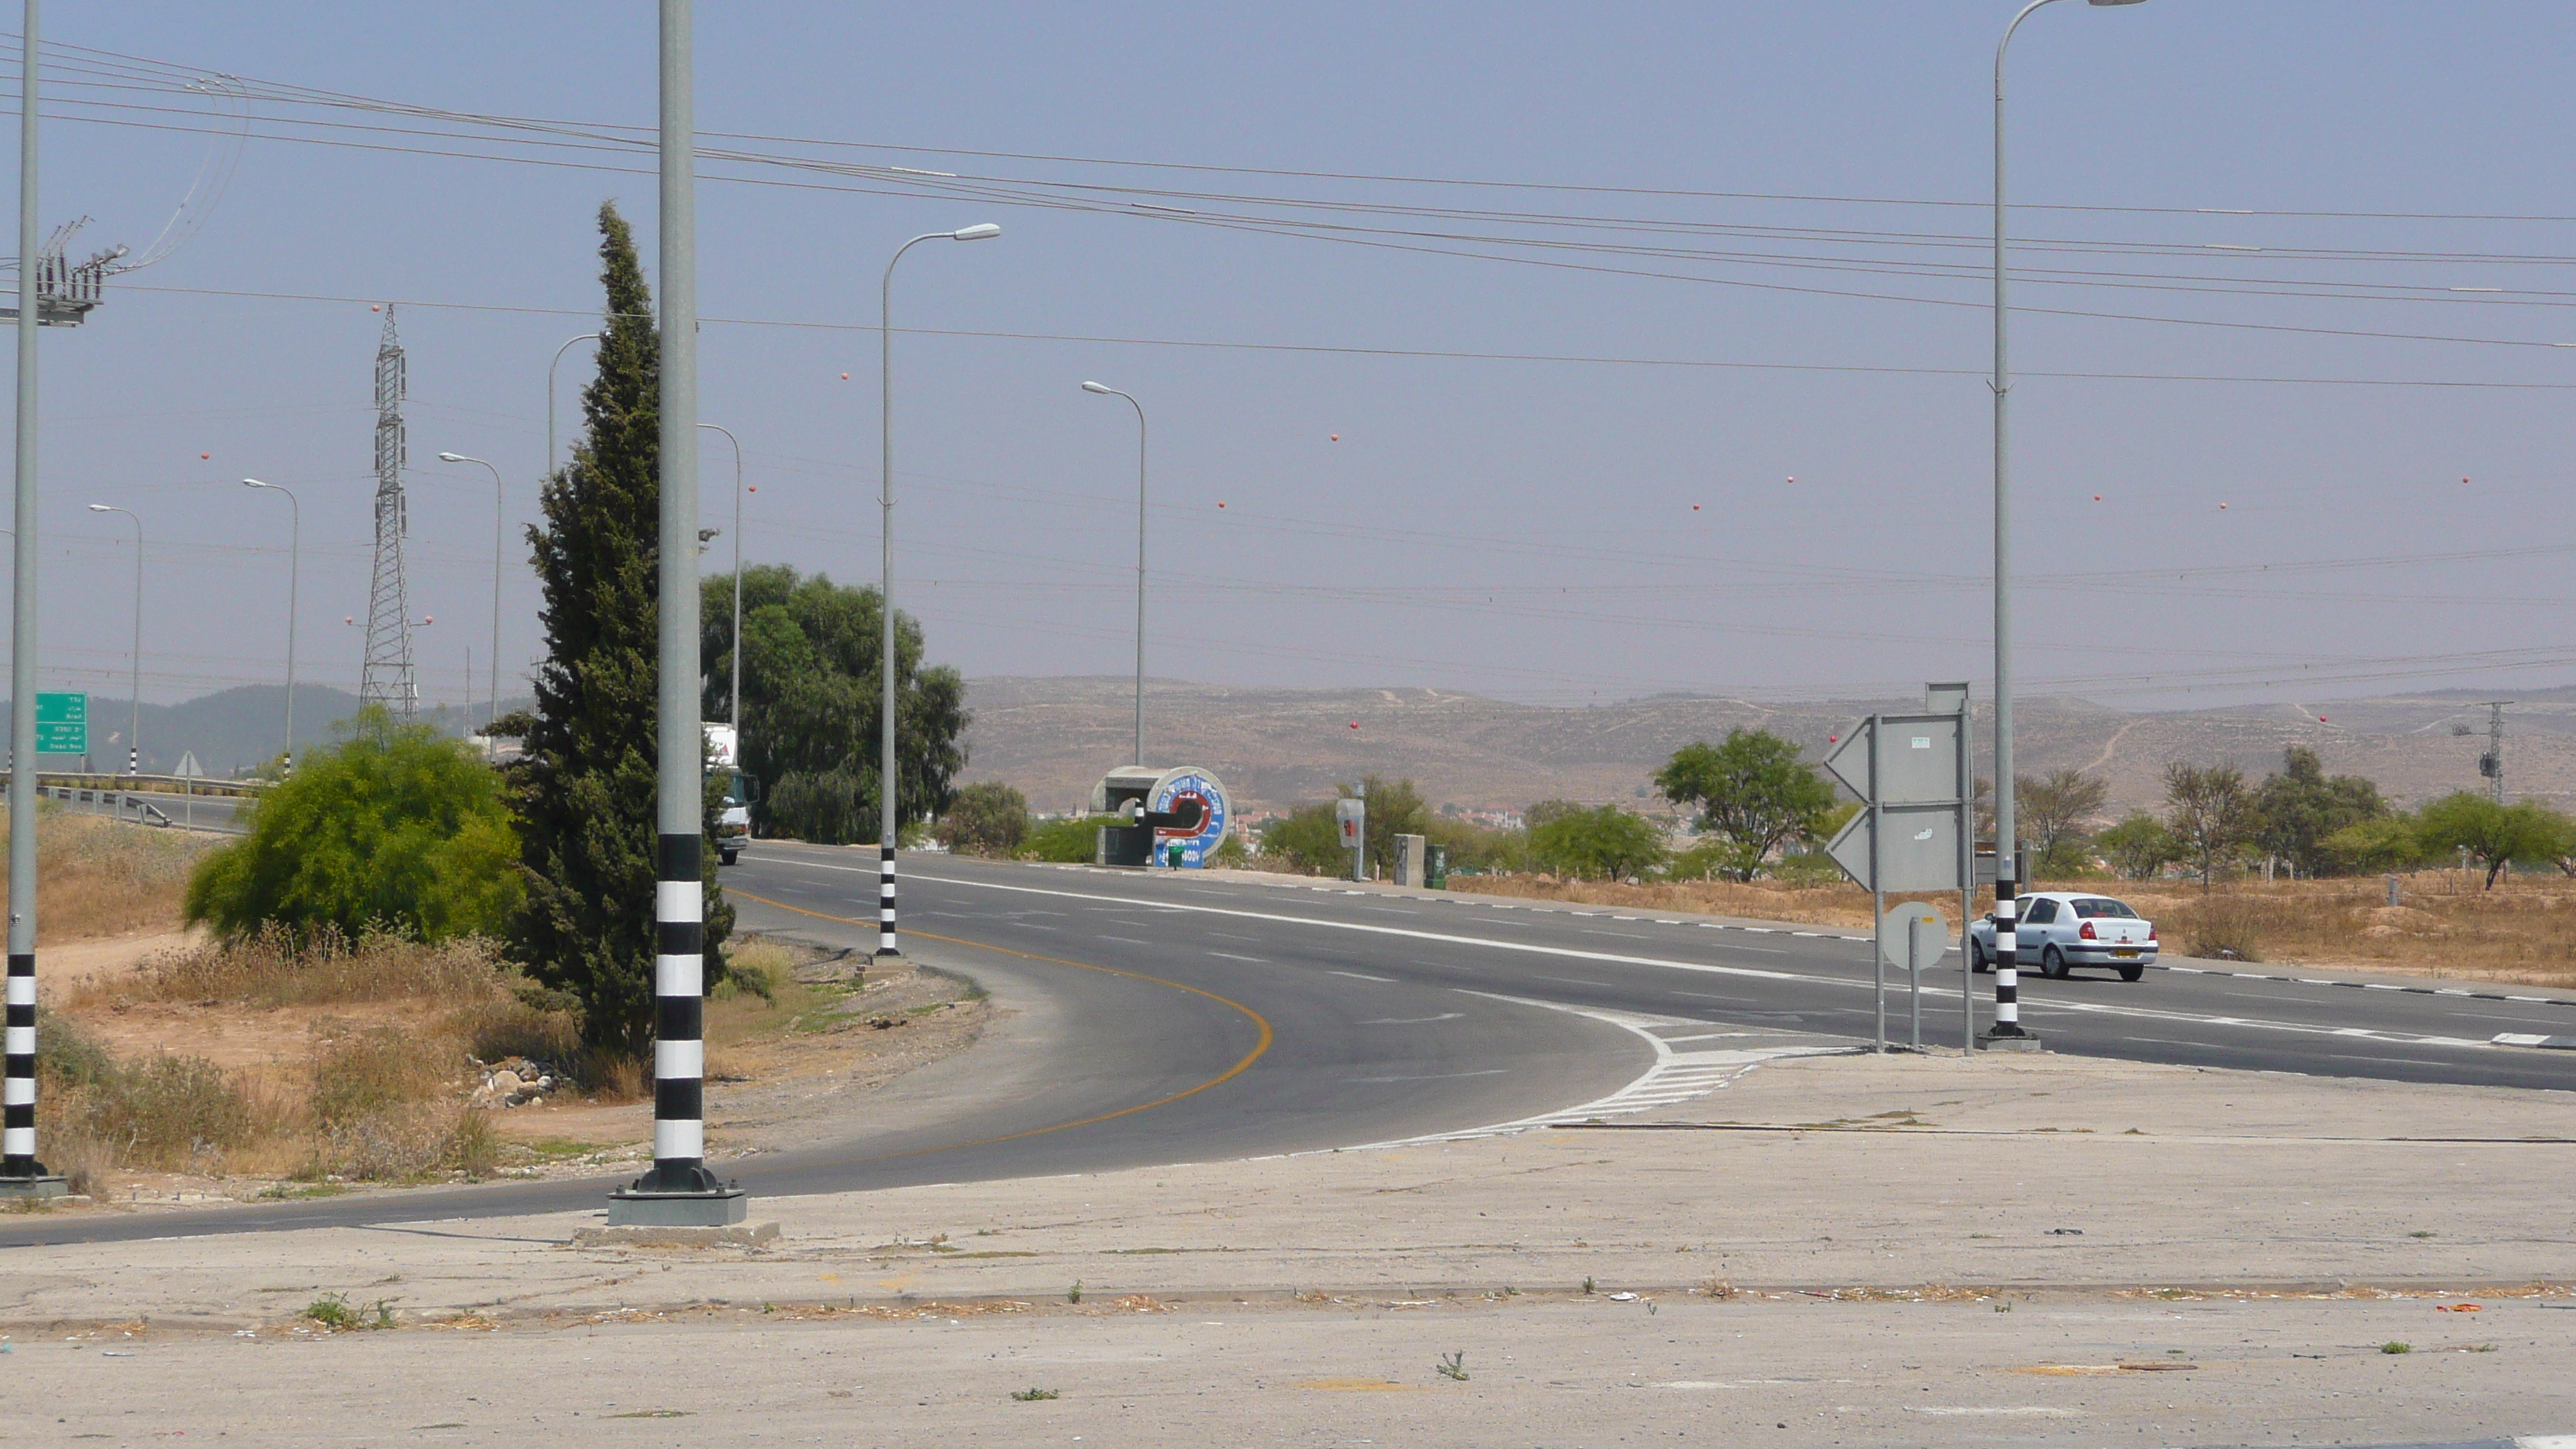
{"x":2133,"y":973}
{"x":1977,"y":957}
{"x":728,"y":857}
{"x":2052,"y":964}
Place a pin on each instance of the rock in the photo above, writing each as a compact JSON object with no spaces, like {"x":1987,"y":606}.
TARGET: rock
{"x":503,"y":1082}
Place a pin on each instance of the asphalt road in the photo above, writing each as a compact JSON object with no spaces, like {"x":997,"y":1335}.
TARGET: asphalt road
{"x":1814,"y":981}
{"x":1195,"y":1017}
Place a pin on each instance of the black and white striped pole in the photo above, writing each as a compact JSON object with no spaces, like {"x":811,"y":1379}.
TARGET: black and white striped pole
{"x":679,"y":1191}
{"x":885,"y":900}
{"x":21,"y":1174}
{"x":2007,"y":1025}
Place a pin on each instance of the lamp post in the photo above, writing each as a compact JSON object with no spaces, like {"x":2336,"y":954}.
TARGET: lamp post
{"x":982,"y":231}
{"x":20,"y":1172}
{"x":733,"y":712}
{"x":134,"y":711}
{"x":500,"y":509}
{"x":1108,"y":391}
{"x":550,"y":395}
{"x":294,"y":568}
{"x":2007,"y":1025}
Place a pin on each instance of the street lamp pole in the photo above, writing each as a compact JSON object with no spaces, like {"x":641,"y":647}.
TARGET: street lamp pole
{"x":500,"y":512}
{"x":550,"y":395}
{"x":20,"y":1172}
{"x":1108,"y":391}
{"x":2007,"y":1025}
{"x":733,"y":711}
{"x":886,"y":778}
{"x":134,"y":706}
{"x":294,"y":568}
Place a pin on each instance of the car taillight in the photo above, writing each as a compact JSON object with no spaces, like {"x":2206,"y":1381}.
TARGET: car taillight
{"x":2087,"y":932}
{"x":2151,"y":935}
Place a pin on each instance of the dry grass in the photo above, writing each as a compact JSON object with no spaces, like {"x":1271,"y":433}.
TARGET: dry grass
{"x":370,"y":1101}
{"x":2522,"y":931}
{"x":100,"y":877}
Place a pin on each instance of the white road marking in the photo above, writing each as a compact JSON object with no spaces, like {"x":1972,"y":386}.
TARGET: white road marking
{"x":1361,"y":976}
{"x":1230,"y":956}
{"x":1417,"y":1020}
{"x":2031,"y":1006}
{"x":1674,"y":1076}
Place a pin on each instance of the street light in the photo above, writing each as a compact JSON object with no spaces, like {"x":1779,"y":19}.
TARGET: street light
{"x":294,"y":567}
{"x":2007,"y":982}
{"x":1107,"y":391}
{"x":500,"y":508}
{"x":733,"y":713}
{"x":982,"y":231}
{"x":134,"y":714}
{"x":550,"y":395}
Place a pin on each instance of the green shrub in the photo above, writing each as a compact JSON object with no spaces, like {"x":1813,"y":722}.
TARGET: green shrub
{"x":1605,"y":844}
{"x":393,"y":829}
{"x":1073,"y":840}
{"x":986,"y":819}
{"x":1306,"y":840}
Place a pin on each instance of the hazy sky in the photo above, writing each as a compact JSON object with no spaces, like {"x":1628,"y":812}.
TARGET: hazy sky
{"x":1556,"y":530}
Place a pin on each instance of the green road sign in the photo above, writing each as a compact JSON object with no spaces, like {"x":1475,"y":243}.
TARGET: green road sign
{"x":62,"y":724}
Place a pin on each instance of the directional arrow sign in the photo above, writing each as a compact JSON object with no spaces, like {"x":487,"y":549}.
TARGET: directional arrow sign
{"x":1848,"y":761}
{"x":1919,"y":852}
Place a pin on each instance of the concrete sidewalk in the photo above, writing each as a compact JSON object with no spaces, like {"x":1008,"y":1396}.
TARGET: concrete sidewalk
{"x":1843,"y":1279}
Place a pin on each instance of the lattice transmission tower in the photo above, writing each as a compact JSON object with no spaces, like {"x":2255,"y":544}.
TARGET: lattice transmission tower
{"x":388,"y":679}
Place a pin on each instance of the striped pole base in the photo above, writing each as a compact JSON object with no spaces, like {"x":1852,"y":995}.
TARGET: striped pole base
{"x":2007,"y":1030}
{"x":20,"y":1172}
{"x":679,"y":1191}
{"x":885,"y":901}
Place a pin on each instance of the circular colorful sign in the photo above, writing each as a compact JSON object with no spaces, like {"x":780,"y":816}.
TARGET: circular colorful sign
{"x":1199,"y":844}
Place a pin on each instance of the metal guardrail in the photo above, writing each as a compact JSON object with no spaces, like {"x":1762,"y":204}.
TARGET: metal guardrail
{"x":160,"y":809}
{"x":201,"y":786}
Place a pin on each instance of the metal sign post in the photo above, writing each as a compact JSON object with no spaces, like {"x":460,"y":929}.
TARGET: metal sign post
{"x":1910,"y":939}
{"x":1352,"y":816}
{"x":1915,"y":830}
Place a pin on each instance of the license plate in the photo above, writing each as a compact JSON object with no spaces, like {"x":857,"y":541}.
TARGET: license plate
{"x":2124,"y":954}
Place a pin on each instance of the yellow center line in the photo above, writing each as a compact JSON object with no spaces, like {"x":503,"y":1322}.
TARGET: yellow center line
{"x":1259,"y":1021}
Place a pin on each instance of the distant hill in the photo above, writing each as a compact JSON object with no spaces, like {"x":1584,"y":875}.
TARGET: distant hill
{"x":235,"y":731}
{"x":1053,"y":738}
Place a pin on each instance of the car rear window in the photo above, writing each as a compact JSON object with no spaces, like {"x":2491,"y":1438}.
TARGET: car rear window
{"x":2095,"y":908}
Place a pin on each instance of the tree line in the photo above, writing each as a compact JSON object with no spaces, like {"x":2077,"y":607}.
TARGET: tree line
{"x":2217,"y":821}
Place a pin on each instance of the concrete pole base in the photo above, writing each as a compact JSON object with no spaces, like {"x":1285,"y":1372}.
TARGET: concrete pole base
{"x":2022,"y":1041}
{"x":737,"y":1236}
{"x":41,"y":1189}
{"x":628,"y":1208}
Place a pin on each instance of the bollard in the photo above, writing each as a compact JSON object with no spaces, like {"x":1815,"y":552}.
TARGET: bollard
{"x":2392,"y":890}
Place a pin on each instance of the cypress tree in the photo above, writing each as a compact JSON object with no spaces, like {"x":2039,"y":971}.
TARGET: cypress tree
{"x":584,"y":787}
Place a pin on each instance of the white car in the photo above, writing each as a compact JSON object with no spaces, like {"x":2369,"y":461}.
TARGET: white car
{"x":2058,"y":931}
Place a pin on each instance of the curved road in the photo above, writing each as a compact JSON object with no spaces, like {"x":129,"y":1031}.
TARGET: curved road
{"x":1195,"y":1017}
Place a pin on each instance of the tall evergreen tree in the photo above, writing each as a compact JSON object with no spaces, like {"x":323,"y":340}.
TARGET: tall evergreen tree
{"x":584,"y":787}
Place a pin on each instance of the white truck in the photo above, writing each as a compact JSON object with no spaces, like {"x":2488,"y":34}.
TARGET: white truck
{"x":724,"y":762}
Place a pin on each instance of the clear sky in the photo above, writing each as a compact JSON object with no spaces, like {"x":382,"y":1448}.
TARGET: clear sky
{"x":1763,"y":225}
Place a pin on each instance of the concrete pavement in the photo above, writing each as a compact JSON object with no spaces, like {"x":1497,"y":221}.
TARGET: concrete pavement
{"x":2254,"y":1239}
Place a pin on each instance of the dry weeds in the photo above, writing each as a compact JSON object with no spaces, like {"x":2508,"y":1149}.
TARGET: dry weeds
{"x":101,"y":877}
{"x":2446,"y":925}
{"x":370,"y":1100}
